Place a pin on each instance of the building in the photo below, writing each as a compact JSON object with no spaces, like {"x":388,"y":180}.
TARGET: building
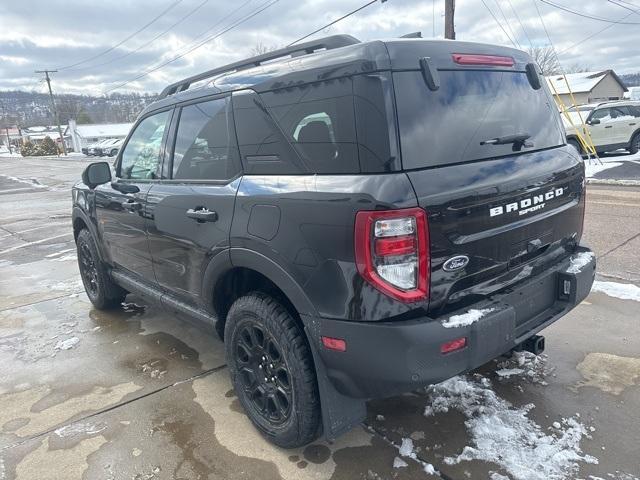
{"x":587,"y":87}
{"x":84,"y":135}
{"x":37,"y":134}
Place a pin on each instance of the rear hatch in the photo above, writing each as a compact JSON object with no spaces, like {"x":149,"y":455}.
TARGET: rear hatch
{"x":486,"y":155}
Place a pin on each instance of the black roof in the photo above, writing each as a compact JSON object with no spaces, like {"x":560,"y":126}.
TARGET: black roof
{"x":330,"y":57}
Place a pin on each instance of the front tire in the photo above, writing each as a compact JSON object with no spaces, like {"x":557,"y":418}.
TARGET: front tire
{"x":272,"y":370}
{"x":102,"y":292}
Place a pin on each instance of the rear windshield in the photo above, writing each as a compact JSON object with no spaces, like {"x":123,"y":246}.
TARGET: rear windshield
{"x":448,"y":125}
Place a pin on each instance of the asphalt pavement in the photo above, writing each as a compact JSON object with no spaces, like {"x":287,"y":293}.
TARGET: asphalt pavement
{"x":137,"y":393}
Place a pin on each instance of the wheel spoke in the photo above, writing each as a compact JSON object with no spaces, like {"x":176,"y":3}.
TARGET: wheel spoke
{"x":264,"y":379}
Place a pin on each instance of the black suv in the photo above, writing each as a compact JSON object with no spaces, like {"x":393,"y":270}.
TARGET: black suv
{"x":356,"y":220}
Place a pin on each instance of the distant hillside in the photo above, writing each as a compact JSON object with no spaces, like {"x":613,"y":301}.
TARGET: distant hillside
{"x":30,"y":108}
{"x":631,"y":79}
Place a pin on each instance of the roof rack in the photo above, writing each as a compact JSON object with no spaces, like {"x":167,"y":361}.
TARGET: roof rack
{"x":327,"y":43}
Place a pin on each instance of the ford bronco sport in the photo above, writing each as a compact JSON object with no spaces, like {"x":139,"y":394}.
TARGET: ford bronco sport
{"x":356,"y":220}
{"x":611,"y":125}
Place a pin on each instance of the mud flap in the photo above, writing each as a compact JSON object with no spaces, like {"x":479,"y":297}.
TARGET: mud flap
{"x":339,"y":412}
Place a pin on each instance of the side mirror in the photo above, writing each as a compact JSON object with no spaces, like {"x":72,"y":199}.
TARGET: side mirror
{"x":96,"y":174}
{"x":595,"y":121}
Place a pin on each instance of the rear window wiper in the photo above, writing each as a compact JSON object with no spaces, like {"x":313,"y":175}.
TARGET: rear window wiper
{"x":518,"y":140}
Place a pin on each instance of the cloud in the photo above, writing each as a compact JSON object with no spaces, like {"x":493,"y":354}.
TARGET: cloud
{"x":39,"y":34}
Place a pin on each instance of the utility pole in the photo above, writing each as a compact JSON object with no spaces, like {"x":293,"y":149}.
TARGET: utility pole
{"x":449,"y":11}
{"x":53,"y":104}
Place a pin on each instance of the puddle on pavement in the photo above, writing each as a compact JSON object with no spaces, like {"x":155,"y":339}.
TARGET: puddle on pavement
{"x":610,"y":373}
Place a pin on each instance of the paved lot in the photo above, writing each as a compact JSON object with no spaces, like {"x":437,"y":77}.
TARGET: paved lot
{"x":138,"y":394}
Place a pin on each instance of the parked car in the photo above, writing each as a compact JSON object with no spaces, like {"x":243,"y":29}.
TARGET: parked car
{"x":104,"y":148}
{"x":611,"y":126}
{"x":92,"y":148}
{"x":114,"y":148}
{"x":357,"y":220}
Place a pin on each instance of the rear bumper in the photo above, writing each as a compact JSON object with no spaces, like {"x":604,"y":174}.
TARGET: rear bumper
{"x":388,"y":358}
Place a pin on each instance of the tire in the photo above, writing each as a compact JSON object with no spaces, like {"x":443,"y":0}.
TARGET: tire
{"x":634,"y":146}
{"x":283,"y":403}
{"x":575,"y":144}
{"x":102,"y":292}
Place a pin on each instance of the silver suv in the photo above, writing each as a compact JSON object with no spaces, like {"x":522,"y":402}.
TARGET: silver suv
{"x":611,"y":125}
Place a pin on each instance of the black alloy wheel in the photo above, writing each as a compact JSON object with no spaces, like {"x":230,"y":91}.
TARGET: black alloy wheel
{"x":272,"y":370}
{"x":264,"y":375}
{"x":88,"y":270}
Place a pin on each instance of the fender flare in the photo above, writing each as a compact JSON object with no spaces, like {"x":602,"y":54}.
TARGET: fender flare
{"x":78,"y":213}
{"x":243,"y":257}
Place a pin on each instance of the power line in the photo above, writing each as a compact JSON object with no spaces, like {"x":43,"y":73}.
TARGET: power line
{"x":336,"y":21}
{"x":176,"y":2}
{"x":146,"y":44}
{"x":520,"y":22}
{"x":625,"y":7}
{"x":260,"y":9}
{"x":499,"y":24}
{"x":508,"y":24}
{"x":589,"y":37}
{"x":592,"y":17}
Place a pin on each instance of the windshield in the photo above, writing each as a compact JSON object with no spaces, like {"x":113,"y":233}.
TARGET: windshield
{"x":453,"y":123}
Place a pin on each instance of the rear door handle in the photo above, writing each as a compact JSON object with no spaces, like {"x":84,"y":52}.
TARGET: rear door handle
{"x":202,"y":214}
{"x":631,"y":124}
{"x":609,"y":126}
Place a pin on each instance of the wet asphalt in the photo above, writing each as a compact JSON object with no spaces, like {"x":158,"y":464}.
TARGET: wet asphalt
{"x":136,"y":393}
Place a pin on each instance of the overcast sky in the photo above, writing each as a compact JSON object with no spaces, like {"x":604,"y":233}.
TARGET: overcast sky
{"x":38,"y":34}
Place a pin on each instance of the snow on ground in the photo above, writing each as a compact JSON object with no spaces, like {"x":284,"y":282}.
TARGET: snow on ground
{"x":579,"y":261}
{"x":525,"y":365}
{"x":32,"y":182}
{"x":465,"y":319}
{"x":623,"y":291}
{"x":67,"y":344}
{"x":504,"y":434}
{"x":80,"y":429}
{"x":593,"y":166}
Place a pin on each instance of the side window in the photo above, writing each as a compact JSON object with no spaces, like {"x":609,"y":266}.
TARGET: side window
{"x":318,"y":120}
{"x":626,"y":112}
{"x":603,"y":114}
{"x":204,"y":147}
{"x":141,"y":156}
{"x":263,"y":148}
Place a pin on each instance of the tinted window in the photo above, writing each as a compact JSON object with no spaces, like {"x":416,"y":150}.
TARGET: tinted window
{"x":141,"y":156}
{"x":447,"y":125}
{"x":204,"y":149}
{"x":375,"y":122}
{"x":601,"y":113}
{"x":318,"y":120}
{"x":263,"y":148}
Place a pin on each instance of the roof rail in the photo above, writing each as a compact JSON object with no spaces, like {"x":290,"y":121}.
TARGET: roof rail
{"x":328,"y":43}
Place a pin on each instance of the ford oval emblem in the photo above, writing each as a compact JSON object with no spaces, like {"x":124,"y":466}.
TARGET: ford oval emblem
{"x":455,"y":263}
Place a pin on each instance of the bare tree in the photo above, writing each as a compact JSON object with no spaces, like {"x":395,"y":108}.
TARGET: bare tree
{"x":260,"y":49}
{"x":577,"y":68}
{"x":546,"y":58}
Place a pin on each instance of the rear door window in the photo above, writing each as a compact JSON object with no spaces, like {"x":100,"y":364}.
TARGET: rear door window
{"x":318,"y":120}
{"x":205,"y":148}
{"x":447,"y":126}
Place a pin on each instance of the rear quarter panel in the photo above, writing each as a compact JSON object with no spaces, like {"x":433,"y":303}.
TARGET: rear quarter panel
{"x":305,"y":224}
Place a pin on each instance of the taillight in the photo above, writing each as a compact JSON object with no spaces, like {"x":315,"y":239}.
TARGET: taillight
{"x":475,"y":59}
{"x":392,"y":252}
